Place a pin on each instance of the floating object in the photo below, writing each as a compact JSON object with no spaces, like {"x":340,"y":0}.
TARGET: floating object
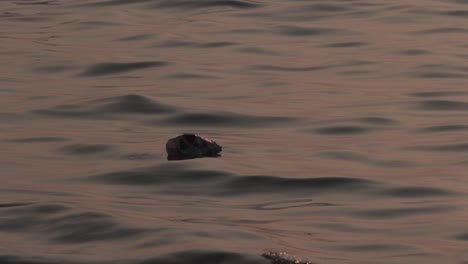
{"x":284,"y":258}
{"x":191,"y":146}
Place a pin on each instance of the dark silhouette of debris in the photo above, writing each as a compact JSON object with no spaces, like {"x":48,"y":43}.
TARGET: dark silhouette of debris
{"x":191,"y":146}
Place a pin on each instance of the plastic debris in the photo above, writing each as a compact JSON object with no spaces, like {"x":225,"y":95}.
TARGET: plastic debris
{"x":191,"y":146}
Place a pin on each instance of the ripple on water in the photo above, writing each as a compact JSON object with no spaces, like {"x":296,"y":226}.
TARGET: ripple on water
{"x":59,"y":224}
{"x":175,"y":179}
{"x":111,"y":106}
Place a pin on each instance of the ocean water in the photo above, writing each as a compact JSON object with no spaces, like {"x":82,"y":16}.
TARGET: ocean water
{"x":344,"y":126}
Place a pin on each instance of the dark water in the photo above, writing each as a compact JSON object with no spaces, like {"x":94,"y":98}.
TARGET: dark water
{"x":343,"y":125}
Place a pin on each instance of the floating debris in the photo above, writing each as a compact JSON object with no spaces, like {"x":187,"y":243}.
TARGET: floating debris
{"x":191,"y":146}
{"x":284,"y":258}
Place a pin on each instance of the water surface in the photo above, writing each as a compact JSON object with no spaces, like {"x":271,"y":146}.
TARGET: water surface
{"x":343,"y":125}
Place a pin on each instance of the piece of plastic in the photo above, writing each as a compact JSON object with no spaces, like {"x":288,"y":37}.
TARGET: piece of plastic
{"x":191,"y":146}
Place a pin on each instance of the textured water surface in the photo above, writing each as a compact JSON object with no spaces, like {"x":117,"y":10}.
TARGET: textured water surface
{"x":343,"y":126}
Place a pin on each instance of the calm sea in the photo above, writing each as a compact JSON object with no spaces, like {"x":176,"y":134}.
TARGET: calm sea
{"x":344,"y":126}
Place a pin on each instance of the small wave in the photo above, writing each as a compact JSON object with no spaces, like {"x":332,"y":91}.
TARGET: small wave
{"x":402,"y":212}
{"x":225,"y":119}
{"x":189,"y":76}
{"x":355,"y":157}
{"x":463,"y":236}
{"x":296,"y":31}
{"x":106,"y":107}
{"x":343,"y":130}
{"x":443,"y":30}
{"x":414,"y":52}
{"x":85,"y":149}
{"x":115,"y":2}
{"x":461,"y":147}
{"x":188,"y":4}
{"x":273,"y":184}
{"x":163,"y":174}
{"x":89,"y":226}
{"x":376,"y":247}
{"x":351,"y":44}
{"x":377,"y":120}
{"x":135,"y":37}
{"x":416,"y":192}
{"x":101,"y":69}
{"x":444,"y":128}
{"x":457,"y":13}
{"x":181,"y":257}
{"x":5,"y":205}
{"x":140,"y":156}
{"x":437,"y":94}
{"x":441,"y":105}
{"x":290,"y":69}
{"x":325,"y":8}
{"x":211,"y":182}
{"x":38,"y":140}
{"x":74,"y":227}
{"x":189,"y":44}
